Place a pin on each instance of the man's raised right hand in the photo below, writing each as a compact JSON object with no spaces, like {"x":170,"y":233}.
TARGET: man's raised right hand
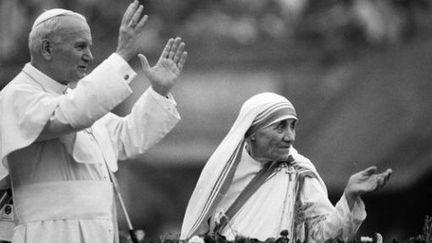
{"x":131,"y":31}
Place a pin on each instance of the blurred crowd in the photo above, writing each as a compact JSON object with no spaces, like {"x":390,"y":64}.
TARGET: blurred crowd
{"x":330,"y":23}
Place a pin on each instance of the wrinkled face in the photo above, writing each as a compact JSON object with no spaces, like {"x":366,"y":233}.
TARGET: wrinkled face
{"x":71,"y":55}
{"x":272,"y":143}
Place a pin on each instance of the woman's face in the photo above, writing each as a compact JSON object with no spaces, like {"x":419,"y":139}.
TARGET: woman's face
{"x":272,"y":143}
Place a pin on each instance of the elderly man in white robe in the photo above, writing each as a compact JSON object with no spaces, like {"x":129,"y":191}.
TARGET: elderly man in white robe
{"x":257,"y":185}
{"x":61,"y":145}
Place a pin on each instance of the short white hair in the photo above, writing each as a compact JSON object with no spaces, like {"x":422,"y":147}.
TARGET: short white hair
{"x":46,"y":26}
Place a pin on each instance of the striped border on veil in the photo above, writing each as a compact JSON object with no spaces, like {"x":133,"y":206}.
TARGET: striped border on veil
{"x":222,"y":183}
{"x":261,"y":110}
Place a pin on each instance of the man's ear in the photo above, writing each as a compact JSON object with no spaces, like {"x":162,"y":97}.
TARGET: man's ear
{"x":46,"y":49}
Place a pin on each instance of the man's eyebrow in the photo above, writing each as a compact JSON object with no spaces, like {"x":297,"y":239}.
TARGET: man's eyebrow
{"x":82,"y":41}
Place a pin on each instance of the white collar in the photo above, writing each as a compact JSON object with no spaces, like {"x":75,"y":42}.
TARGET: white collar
{"x":47,"y":83}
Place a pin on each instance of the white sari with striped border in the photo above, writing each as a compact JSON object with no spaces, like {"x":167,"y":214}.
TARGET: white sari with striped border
{"x":217,"y":181}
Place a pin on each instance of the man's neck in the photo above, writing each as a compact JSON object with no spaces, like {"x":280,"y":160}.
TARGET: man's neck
{"x":45,"y":70}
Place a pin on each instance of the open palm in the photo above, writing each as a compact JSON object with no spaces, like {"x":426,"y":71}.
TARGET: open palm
{"x":367,"y":180}
{"x":164,"y":74}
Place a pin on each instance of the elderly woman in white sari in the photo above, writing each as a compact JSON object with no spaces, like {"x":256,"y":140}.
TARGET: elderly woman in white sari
{"x":256,"y":184}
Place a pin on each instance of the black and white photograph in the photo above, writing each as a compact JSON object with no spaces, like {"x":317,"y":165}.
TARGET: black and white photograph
{"x":215,"y":121}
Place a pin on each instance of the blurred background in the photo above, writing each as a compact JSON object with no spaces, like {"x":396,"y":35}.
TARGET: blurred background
{"x":359,"y":73}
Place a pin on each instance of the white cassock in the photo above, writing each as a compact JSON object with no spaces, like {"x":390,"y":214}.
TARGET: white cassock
{"x":61,"y":186}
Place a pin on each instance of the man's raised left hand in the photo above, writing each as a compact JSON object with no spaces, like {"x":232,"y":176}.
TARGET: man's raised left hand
{"x":165,"y":73}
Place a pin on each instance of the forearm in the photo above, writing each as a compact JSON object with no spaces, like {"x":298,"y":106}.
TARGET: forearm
{"x":95,"y":95}
{"x":351,"y":199}
{"x":151,"y":118}
{"x":340,"y":222}
{"x":325,"y":221}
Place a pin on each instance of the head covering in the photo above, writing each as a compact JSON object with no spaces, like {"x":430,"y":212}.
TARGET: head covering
{"x":260,"y":110}
{"x":273,"y":114}
{"x":48,"y":14}
{"x":24,"y":129}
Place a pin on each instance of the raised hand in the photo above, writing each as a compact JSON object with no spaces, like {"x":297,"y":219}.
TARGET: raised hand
{"x":165,"y":73}
{"x":365,"y":181}
{"x":131,"y":31}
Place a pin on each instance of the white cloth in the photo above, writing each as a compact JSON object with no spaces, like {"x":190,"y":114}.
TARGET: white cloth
{"x":49,"y":135}
{"x":261,"y":215}
{"x":54,"y":13}
{"x":324,"y":221}
{"x":272,"y":207}
{"x":269,"y":210}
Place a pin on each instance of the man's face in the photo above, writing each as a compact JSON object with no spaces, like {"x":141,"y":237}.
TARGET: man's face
{"x":71,"y":55}
{"x":272,"y":143}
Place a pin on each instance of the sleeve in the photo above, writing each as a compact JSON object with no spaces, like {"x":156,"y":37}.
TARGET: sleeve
{"x":150,"y":119}
{"x":37,"y":114}
{"x":97,"y":93}
{"x":94,"y":96}
{"x":325,"y":221}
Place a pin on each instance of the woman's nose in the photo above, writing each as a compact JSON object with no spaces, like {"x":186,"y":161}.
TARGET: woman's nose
{"x":289,"y":134}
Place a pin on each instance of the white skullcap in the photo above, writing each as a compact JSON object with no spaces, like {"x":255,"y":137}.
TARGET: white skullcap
{"x":48,"y":14}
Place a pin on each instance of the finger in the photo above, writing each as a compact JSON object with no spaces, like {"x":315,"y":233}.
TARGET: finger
{"x":386,"y":176}
{"x":174,"y":48}
{"x":136,"y":16}
{"x":141,"y":23}
{"x":369,"y":171}
{"x":179,"y":52}
{"x":182,"y":61}
{"x":144,"y":63}
{"x":165,"y":51}
{"x":388,"y":173}
{"x":129,"y":12}
{"x":381,"y":181}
